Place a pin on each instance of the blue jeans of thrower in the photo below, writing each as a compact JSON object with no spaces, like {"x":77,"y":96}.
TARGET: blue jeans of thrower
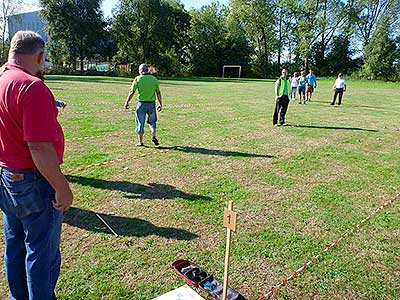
{"x":32,"y":230}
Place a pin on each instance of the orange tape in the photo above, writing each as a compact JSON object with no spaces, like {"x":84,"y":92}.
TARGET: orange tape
{"x":322,"y":252}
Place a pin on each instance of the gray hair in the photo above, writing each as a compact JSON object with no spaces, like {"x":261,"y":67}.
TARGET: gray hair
{"x":26,"y":42}
{"x":143,"y":69}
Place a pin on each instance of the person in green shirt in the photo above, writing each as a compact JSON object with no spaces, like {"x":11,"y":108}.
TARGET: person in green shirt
{"x":147,"y":87}
{"x":282,"y":90}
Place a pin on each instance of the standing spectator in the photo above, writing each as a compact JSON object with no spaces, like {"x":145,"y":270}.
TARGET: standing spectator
{"x":282,"y":89}
{"x":339,"y":87}
{"x":294,"y":82}
{"x":33,"y":191}
{"x":311,"y":82}
{"x":302,"y":86}
{"x":147,"y":87}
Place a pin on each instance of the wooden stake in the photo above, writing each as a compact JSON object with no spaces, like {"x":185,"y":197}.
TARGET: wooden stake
{"x":230,"y":224}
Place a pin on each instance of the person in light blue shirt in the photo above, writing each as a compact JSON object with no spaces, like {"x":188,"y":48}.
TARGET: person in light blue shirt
{"x":302,"y":86}
{"x":311,"y":84}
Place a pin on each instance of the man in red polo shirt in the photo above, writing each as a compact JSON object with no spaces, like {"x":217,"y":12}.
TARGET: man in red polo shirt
{"x":33,"y":191}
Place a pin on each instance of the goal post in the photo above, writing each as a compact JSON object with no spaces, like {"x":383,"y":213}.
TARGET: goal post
{"x":231,"y":66}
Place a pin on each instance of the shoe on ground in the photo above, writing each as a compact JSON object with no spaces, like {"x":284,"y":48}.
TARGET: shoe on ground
{"x":139,"y":144}
{"x":155,"y":141}
{"x":332,"y":103}
{"x":276,"y":125}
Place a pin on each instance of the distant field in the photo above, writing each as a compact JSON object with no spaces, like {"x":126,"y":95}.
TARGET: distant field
{"x":296,"y":189}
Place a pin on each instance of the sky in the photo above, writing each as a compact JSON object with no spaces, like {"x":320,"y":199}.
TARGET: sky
{"x":108,"y":5}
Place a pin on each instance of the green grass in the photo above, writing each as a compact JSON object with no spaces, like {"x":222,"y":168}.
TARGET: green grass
{"x":296,"y":189}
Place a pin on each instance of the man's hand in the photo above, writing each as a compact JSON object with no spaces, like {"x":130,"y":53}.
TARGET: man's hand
{"x":63,"y":200}
{"x":159,"y":108}
{"x":45,"y":158}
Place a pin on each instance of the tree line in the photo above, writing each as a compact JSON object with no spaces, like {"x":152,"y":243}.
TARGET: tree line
{"x":331,"y":36}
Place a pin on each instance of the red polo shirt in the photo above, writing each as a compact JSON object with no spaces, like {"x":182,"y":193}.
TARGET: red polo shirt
{"x":27,"y":114}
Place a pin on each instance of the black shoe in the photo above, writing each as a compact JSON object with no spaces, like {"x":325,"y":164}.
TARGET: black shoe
{"x":332,"y":103}
{"x":155,"y":141}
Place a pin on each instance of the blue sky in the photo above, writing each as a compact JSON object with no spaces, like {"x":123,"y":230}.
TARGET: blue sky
{"x":108,"y":5}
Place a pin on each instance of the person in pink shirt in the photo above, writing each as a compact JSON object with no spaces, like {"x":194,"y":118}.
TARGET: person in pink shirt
{"x":33,"y":191}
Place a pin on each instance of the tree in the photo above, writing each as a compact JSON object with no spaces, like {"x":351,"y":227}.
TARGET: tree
{"x":339,"y":58}
{"x":208,"y":34}
{"x":318,"y":22}
{"x":75,"y":27}
{"x":257,"y":20}
{"x":397,"y":57}
{"x":371,"y":11}
{"x":152,"y":31}
{"x":380,"y":53}
{"x":285,"y":17}
{"x":237,"y":49}
{"x":8,"y":7}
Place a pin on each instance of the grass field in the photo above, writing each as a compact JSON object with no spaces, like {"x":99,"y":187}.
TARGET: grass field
{"x":295,"y":188}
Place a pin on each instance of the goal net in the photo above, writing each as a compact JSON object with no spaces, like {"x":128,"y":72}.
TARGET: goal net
{"x":230,"y":67}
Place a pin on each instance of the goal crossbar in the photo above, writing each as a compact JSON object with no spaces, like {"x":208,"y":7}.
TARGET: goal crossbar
{"x":231,"y":66}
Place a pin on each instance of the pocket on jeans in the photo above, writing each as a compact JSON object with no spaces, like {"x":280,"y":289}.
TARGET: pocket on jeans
{"x":25,"y":197}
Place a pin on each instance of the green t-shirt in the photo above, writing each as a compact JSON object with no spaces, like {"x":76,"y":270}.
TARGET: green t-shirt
{"x":146,"y":85}
{"x":283,"y":86}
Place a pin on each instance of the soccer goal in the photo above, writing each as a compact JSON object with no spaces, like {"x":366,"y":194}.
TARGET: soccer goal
{"x":231,"y":66}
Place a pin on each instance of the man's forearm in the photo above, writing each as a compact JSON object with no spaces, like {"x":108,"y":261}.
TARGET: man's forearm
{"x":159,"y":97}
{"x":45,"y":158}
{"x":129,"y":98}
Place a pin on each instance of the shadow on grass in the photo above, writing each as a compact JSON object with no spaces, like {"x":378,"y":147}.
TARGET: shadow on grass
{"x":136,"y":190}
{"x":333,"y":127}
{"x":217,"y":152}
{"x":123,"y":226}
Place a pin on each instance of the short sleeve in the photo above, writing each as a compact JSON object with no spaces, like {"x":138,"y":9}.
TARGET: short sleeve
{"x":157,"y":85}
{"x":134,"y":85}
{"x":39,"y":114}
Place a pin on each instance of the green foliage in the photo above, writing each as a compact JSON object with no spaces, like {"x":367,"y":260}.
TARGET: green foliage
{"x":75,"y":29}
{"x":257,"y":20}
{"x":154,"y":32}
{"x":214,"y":41}
{"x":380,"y":54}
{"x":339,"y":57}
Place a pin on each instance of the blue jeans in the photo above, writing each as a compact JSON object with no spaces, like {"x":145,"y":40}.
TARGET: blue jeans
{"x":32,"y":230}
{"x":143,"y":109}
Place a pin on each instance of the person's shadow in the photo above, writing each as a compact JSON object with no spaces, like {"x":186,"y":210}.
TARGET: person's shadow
{"x":123,"y":226}
{"x":136,"y":190}
{"x":217,"y":152}
{"x":332,"y":127}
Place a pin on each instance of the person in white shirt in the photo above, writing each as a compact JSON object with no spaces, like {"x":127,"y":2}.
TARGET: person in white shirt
{"x":339,"y":87}
{"x":294,"y":82}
